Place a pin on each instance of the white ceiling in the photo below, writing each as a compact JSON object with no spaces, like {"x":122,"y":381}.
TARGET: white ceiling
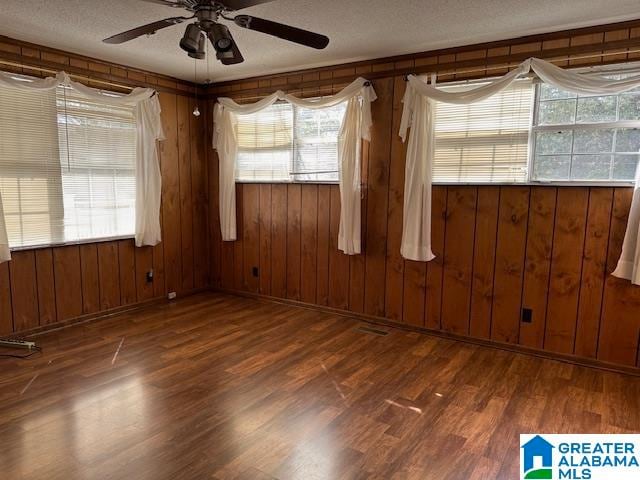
{"x":358,"y":29}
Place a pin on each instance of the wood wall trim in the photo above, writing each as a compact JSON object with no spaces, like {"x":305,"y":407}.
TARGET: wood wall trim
{"x":382,"y":321}
{"x":102,"y":315}
{"x":562,"y":47}
{"x":29,"y":54}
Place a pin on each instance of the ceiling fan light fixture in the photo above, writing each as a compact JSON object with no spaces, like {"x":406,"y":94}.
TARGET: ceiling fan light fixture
{"x":190,"y":41}
{"x":221,"y":38}
{"x":199,"y":54}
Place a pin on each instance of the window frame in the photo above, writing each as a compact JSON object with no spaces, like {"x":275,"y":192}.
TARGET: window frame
{"x":480,"y":81}
{"x":76,"y":242}
{"x":575,"y":126}
{"x":294,"y":178}
{"x":530,"y":181}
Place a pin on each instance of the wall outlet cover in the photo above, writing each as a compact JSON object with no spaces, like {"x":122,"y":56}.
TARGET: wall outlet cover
{"x":172,"y":295}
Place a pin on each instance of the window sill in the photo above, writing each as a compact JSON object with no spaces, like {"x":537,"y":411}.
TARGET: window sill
{"x":68,"y":244}
{"x":539,"y":184}
{"x":471,"y":184}
{"x":284,"y":182}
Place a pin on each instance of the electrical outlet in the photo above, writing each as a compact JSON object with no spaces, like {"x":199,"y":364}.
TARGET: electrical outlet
{"x":150,"y":276}
{"x":255,"y":272}
{"x":527,"y":315}
{"x":172,"y":295}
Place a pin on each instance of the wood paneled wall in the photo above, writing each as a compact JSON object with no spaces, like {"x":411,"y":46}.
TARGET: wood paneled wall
{"x":499,"y":248}
{"x":28,"y":58}
{"x":43,"y":287}
{"x":603,"y":44}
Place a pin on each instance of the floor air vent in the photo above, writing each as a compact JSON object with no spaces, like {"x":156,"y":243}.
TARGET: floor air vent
{"x":372,"y":331}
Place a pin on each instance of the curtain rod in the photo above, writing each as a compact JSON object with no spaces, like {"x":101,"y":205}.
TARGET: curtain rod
{"x":500,"y":67}
{"x":72,"y":75}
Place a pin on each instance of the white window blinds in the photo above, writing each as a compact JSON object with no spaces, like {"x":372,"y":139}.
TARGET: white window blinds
{"x":316,"y":143}
{"x":487,"y":141}
{"x":67,"y":167}
{"x":30,"y":166}
{"x":286,"y":143}
{"x":265,"y":144}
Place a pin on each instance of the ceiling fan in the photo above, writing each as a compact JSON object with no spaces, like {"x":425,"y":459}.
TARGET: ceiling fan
{"x":206,"y":26}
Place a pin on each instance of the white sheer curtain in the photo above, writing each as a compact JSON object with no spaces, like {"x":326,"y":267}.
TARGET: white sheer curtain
{"x":629,"y":264}
{"x":418,"y":116}
{"x":149,"y":130}
{"x":356,"y":126}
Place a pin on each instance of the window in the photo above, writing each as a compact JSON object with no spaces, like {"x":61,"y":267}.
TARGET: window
{"x":585,"y":137}
{"x":265,"y":144}
{"x":285,"y":143}
{"x":487,"y":141}
{"x":67,"y":167}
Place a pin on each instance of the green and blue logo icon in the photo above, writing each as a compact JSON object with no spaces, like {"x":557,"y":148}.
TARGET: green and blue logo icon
{"x":580,"y":456}
{"x":537,"y":459}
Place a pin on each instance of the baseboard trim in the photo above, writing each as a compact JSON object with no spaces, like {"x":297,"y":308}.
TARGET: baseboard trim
{"x":104,"y":314}
{"x":561,"y":357}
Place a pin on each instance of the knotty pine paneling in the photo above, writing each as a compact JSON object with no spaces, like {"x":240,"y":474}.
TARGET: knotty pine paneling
{"x":619,"y":323}
{"x":433,"y":299}
{"x":458,"y":259}
{"x":309,"y":243}
{"x":42,"y":287}
{"x":498,"y":248}
{"x":251,"y":225}
{"x":23,"y":270}
{"x":484,"y":254}
{"x":535,"y":290}
{"x":593,"y":270}
{"x":338,"y":261}
{"x":322,"y":263}
{"x":6,"y":312}
{"x":90,"y":278}
{"x":68,"y":282}
{"x":394,"y":291}
{"x":378,"y":197}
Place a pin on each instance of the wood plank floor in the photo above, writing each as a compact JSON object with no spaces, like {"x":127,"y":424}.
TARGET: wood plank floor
{"x":222,"y":387}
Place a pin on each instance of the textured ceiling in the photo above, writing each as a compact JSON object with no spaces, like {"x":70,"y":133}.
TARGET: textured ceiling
{"x":359,"y":29}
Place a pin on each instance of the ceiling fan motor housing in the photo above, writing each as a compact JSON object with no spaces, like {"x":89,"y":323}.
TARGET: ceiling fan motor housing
{"x":207,"y":17}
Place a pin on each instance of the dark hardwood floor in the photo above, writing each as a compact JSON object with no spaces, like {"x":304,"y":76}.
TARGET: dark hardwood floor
{"x":222,"y":387}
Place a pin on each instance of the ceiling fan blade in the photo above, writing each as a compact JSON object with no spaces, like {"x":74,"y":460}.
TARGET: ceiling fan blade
{"x":168,"y":3}
{"x":231,"y":56}
{"x":280,"y":30}
{"x":144,"y":30}
{"x":240,"y":4}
